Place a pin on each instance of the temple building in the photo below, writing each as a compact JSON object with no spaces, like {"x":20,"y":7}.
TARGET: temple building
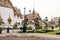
{"x":56,"y":20}
{"x":7,"y":9}
{"x":32,"y":16}
{"x":18,"y":16}
{"x":18,"y":13}
{"x":52,"y":23}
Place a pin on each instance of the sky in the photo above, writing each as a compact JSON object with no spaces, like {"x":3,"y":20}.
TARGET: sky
{"x":46,"y":8}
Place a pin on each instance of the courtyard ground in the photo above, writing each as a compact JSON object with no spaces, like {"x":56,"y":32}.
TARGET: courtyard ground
{"x":28,"y":36}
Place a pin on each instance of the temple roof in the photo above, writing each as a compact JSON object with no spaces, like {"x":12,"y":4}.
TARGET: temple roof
{"x":33,"y":15}
{"x":33,"y":12}
{"x":6,"y":3}
{"x":18,"y":13}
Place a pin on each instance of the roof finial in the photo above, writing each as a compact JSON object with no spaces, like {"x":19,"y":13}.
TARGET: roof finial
{"x":33,"y":11}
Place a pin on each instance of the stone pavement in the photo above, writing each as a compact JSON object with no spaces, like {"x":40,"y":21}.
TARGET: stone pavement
{"x":28,"y":36}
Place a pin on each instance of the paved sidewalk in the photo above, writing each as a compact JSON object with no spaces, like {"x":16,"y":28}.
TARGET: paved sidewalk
{"x":29,"y":36}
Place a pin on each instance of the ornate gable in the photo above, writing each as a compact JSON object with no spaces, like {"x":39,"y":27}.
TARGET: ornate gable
{"x":6,"y":3}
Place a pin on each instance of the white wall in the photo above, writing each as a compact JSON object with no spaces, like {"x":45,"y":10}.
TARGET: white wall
{"x":5,"y":12}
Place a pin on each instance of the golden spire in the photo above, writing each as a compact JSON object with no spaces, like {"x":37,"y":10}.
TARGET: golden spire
{"x":33,"y":11}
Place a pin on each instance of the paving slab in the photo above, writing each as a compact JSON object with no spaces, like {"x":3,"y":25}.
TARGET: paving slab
{"x":28,"y":36}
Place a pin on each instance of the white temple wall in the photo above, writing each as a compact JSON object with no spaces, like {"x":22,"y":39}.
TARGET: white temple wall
{"x":5,"y":13}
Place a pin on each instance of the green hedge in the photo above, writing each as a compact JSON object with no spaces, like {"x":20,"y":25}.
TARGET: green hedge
{"x":29,"y":28}
{"x":0,"y":30}
{"x":20,"y":32}
{"x":38,"y":31}
{"x":30,"y":31}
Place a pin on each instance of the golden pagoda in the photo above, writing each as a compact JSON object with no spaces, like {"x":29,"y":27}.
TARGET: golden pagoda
{"x":32,"y":16}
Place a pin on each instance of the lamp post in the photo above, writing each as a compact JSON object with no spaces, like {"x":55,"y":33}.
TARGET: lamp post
{"x":9,"y":21}
{"x":24,"y":23}
{"x":45,"y":21}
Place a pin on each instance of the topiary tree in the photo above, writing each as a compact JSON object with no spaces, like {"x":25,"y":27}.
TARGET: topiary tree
{"x":46,"y":22}
{"x":15,"y":25}
{"x":29,"y":28}
{"x":2,"y":22}
{"x":40,"y":26}
{"x":0,"y":30}
{"x":36,"y":22}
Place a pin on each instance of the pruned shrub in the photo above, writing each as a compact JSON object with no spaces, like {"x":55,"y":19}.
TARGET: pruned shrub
{"x":42,"y":31}
{"x":29,"y":28}
{"x":20,"y":32}
{"x":49,"y":30}
{"x":0,"y":30}
{"x":30,"y":31}
{"x":58,"y":33}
